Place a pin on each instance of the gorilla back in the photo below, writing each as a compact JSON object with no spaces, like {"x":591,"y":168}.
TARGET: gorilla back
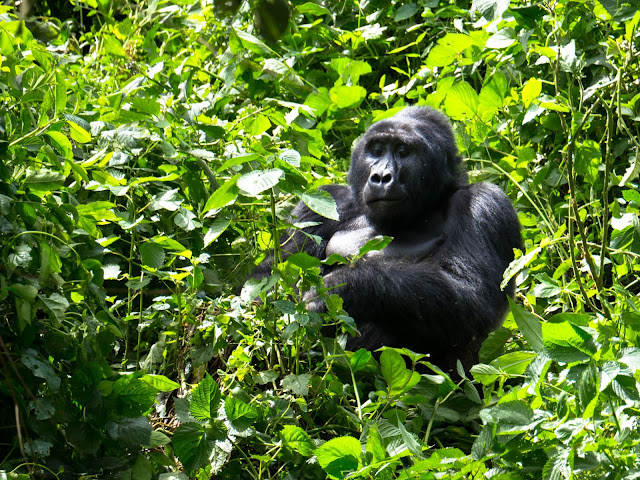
{"x":436,"y":287}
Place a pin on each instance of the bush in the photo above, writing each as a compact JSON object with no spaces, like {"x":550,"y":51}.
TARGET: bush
{"x":149,"y":155}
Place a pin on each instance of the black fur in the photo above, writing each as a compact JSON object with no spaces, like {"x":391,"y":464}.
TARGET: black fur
{"x":436,"y":288}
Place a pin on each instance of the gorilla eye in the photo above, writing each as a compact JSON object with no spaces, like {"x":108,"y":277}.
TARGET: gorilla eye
{"x":403,"y":151}
{"x":376,"y":150}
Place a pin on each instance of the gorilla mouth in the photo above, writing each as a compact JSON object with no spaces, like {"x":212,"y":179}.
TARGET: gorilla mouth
{"x":384,"y":200}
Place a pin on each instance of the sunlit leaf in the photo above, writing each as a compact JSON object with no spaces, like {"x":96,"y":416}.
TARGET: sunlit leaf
{"x":297,"y":439}
{"x":399,"y":378}
{"x":340,"y":456}
{"x":347,"y":96}
{"x":205,"y":399}
{"x":461,"y":102}
{"x":256,"y":182}
{"x":217,"y":228}
{"x":322,"y":203}
{"x":529,"y":325}
{"x":224,"y":195}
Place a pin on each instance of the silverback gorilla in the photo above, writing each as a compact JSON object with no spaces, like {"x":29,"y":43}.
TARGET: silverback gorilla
{"x":436,"y":287}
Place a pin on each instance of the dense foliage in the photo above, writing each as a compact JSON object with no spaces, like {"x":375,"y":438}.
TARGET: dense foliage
{"x":149,"y":155}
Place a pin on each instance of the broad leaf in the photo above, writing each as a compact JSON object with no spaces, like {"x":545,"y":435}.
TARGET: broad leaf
{"x":205,"y":399}
{"x":256,"y":182}
{"x":340,"y":456}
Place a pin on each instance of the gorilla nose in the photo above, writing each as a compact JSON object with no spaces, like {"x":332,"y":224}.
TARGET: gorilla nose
{"x":381,"y":179}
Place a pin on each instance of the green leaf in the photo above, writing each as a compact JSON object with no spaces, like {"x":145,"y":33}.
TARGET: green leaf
{"x":298,"y":384}
{"x":146,"y":105}
{"x":447,"y":49}
{"x":254,"y":287}
{"x":170,"y":200}
{"x":559,"y":465}
{"x":531,"y":90}
{"x":61,"y":143}
{"x":377,"y":243}
{"x":312,"y":8}
{"x":137,"y":395}
{"x":142,"y":469}
{"x":251,"y":42}
{"x":514,"y":363}
{"x":160,"y":382}
{"x":285,"y":306}
{"x":569,"y":60}
{"x":44,"y":179}
{"x":511,"y":417}
{"x":241,"y":415}
{"x":297,"y":439}
{"x":205,"y":399}
{"x":56,"y":304}
{"x":256,"y":182}
{"x":83,"y":437}
{"x":410,"y":441}
{"x":158,"y":439}
{"x":399,"y":378}
{"x":588,"y":390}
{"x":565,"y":342}
{"x":502,"y":38}
{"x":224,"y":195}
{"x":319,"y":101}
{"x":483,"y":443}
{"x":113,"y":46}
{"x":192,"y":446}
{"x":546,"y":287}
{"x":461,"y":102}
{"x":485,"y":374}
{"x":529,"y":325}
{"x":131,"y":431}
{"x":256,"y":125}
{"x":350,"y":70}
{"x":360,"y":359}
{"x":321,"y":202}
{"x":152,"y":255}
{"x":490,"y":9}
{"x":492,"y":96}
{"x":186,"y":219}
{"x":375,"y":447}
{"x":266,"y":376}
{"x":588,"y":159}
{"x":292,"y":157}
{"x":217,"y":228}
{"x":340,"y":456}
{"x":78,"y":133}
{"x":60,"y":93}
{"x":173,"y":475}
{"x":347,"y":96}
{"x":406,"y":11}
{"x":40,"y":368}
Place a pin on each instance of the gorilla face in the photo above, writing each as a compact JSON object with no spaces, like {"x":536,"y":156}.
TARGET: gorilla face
{"x":402,"y":166}
{"x":386,"y":168}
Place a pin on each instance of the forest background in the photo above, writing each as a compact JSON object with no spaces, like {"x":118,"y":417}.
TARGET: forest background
{"x":149,"y":154}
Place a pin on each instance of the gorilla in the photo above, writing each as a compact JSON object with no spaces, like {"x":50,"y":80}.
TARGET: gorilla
{"x":436,"y":287}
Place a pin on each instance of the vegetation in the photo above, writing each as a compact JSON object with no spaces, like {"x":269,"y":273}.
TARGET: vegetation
{"x":149,"y":154}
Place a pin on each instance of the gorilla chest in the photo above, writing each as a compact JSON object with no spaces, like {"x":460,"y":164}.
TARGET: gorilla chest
{"x":415,"y":243}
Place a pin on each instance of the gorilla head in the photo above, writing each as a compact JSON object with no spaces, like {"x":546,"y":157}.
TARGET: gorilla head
{"x":403,"y":165}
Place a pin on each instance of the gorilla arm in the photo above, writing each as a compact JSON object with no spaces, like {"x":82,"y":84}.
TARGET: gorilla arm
{"x":293,"y":241}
